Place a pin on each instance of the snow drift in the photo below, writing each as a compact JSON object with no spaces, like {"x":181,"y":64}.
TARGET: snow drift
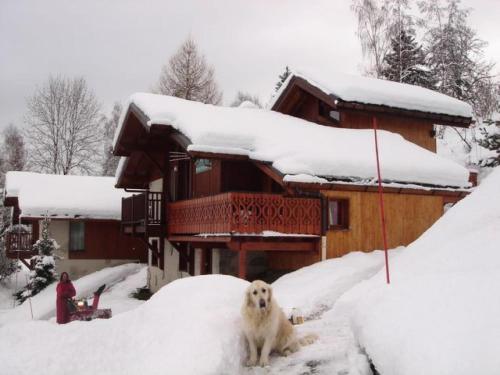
{"x":440,"y":315}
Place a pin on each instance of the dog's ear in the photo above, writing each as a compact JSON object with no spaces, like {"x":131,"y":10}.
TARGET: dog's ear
{"x":249,"y":301}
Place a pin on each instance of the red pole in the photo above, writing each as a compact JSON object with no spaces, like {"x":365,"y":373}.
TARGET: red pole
{"x":381,"y":199}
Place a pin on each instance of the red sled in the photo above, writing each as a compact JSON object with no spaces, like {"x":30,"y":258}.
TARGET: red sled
{"x":81,"y":311}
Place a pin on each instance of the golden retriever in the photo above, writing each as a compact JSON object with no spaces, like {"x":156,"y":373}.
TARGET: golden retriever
{"x":266,"y":327}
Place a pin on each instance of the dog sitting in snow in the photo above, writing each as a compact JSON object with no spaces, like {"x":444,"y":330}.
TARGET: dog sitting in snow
{"x":266,"y":327}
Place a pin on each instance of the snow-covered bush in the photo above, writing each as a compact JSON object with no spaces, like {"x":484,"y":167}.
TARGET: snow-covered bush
{"x":43,"y":273}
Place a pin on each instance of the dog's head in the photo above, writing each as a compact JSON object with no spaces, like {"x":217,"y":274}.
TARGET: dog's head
{"x":259,"y":295}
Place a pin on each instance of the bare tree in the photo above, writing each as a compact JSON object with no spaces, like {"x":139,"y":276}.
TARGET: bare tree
{"x":245,"y":97}
{"x":187,"y":75}
{"x":372,"y":32}
{"x":63,"y":127}
{"x":13,"y":149}
{"x":109,"y":125}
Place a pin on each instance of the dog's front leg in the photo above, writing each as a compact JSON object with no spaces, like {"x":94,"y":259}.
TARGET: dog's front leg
{"x":266,"y":350}
{"x":252,"y":361}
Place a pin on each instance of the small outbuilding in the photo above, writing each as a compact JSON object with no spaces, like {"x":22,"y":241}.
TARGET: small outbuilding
{"x":85,"y":217}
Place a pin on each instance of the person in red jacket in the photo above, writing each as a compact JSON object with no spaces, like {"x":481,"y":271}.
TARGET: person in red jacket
{"x":65,"y":290}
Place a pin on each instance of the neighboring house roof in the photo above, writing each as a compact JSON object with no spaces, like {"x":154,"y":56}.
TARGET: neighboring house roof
{"x":379,"y":92}
{"x":59,"y":196}
{"x":298,"y":149}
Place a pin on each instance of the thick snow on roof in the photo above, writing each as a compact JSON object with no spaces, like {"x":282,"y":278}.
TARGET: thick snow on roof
{"x":65,"y":196}
{"x":297,"y":147}
{"x":368,"y":90}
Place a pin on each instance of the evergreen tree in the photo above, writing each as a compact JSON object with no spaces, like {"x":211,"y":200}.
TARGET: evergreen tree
{"x":491,"y":141}
{"x":43,"y":273}
{"x":406,"y":61}
{"x":455,"y":53}
{"x":282,"y":78}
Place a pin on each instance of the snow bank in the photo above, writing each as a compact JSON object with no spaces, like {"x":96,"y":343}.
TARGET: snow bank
{"x":314,"y":289}
{"x":193,"y":326}
{"x":368,"y":90}
{"x":441,"y":313}
{"x":44,"y":303}
{"x":62,"y":196}
{"x":297,"y":147}
{"x":189,"y":327}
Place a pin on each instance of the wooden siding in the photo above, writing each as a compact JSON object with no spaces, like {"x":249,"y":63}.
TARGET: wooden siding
{"x":407,"y":217}
{"x":306,"y":106}
{"x":104,"y":241}
{"x":208,"y":182}
{"x":418,"y":131}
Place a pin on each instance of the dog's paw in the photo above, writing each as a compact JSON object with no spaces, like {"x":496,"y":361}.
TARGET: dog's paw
{"x":264,"y":362}
{"x":251,"y":362}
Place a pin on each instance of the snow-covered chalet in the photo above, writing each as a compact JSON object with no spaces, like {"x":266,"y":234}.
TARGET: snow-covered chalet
{"x":256,"y":192}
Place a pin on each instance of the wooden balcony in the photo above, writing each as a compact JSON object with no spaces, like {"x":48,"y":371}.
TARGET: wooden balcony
{"x":250,"y":214}
{"x":19,"y":245}
{"x":142,"y":213}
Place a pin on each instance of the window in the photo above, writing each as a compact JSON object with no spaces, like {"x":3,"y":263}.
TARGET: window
{"x":203,"y":165}
{"x":338,"y":214}
{"x":77,"y":235}
{"x":326,"y":111}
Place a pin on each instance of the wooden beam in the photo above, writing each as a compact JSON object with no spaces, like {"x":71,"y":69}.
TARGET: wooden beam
{"x":369,"y":188}
{"x":242,"y":264}
{"x":216,"y":155}
{"x":279,"y":246}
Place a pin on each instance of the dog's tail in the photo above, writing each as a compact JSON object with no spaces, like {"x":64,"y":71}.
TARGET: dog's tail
{"x":308,"y":339}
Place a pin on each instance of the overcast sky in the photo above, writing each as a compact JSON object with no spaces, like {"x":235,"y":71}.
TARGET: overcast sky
{"x":119,"y":46}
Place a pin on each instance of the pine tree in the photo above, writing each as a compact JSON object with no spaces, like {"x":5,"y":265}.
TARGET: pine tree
{"x":406,"y":61}
{"x":491,"y":141}
{"x":43,"y":273}
{"x":282,"y":78}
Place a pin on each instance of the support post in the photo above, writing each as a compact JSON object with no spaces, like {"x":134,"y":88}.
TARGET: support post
{"x":242,"y":264}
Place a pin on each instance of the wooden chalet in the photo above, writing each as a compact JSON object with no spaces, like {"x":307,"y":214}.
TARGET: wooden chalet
{"x":84,"y":213}
{"x":227,"y":190}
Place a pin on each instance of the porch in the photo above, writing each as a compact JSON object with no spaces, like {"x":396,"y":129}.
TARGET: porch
{"x":246,"y":222}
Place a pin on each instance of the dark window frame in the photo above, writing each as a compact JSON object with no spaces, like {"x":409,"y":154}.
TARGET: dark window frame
{"x":342,"y":222}
{"x":71,"y":247}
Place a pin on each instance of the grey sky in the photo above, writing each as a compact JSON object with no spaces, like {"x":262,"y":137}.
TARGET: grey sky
{"x":119,"y":46}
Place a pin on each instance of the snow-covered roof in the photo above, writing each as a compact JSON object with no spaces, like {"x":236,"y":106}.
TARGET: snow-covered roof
{"x":366,"y":90}
{"x":296,"y":147}
{"x":65,"y":196}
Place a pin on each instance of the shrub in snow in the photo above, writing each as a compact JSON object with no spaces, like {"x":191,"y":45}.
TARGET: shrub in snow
{"x":491,"y":141}
{"x":43,"y":273}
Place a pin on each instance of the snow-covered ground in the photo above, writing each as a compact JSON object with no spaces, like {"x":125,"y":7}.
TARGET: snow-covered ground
{"x":438,"y":316}
{"x":120,"y":282}
{"x":192,"y":326}
{"x":441,"y":313}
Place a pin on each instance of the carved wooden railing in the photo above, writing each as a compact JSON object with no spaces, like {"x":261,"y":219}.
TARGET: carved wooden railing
{"x":142,"y":208}
{"x":22,"y":241}
{"x":245,"y":213}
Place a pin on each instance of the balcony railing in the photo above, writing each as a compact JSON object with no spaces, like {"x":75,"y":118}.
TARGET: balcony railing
{"x":15,"y":241}
{"x":245,"y":213}
{"x":144,"y":208}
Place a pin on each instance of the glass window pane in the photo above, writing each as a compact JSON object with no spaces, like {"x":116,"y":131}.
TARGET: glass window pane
{"x":333,"y":213}
{"x":77,"y":235}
